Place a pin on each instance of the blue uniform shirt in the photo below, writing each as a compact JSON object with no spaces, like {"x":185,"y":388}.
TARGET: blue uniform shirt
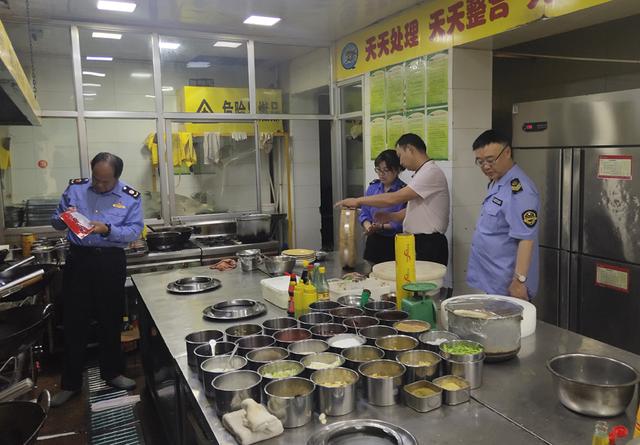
{"x":367,"y":213}
{"x":121,"y":207}
{"x":509,"y":214}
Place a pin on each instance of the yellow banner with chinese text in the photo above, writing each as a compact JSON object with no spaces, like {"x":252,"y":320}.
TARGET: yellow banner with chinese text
{"x":556,"y":8}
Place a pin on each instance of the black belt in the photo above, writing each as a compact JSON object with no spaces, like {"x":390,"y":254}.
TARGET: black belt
{"x":86,"y":250}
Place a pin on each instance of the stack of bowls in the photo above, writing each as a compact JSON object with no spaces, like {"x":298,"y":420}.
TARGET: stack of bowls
{"x":465,"y":365}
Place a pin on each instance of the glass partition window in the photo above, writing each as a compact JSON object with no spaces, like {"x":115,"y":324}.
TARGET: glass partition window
{"x":133,"y":141}
{"x":36,"y":164}
{"x":292,"y":79}
{"x":204,"y":75}
{"x":351,"y":98}
{"x":52,"y":63}
{"x":117,"y":73}
{"x":354,"y":173}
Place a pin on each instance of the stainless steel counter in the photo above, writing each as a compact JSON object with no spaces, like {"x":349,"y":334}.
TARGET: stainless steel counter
{"x":516,"y":403}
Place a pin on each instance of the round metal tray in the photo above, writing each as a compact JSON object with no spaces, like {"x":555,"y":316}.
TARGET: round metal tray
{"x":362,"y":432}
{"x":192,"y":285}
{"x":236,"y":309}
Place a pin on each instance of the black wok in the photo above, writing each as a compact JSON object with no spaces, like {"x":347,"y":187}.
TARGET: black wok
{"x":164,"y":241}
{"x":184,"y":231}
{"x":21,"y":327}
{"x":13,"y":274}
{"x":21,"y":421}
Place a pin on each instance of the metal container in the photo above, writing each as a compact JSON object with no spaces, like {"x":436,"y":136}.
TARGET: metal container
{"x":261,"y":356}
{"x":247,"y":344}
{"x":287,"y":336}
{"x":236,"y":332}
{"x":593,"y":385}
{"x":232,"y":388}
{"x":382,"y":381}
{"x":279,"y":264}
{"x":195,"y":339}
{"x":372,"y":333}
{"x":355,"y":324}
{"x":446,"y":354}
{"x":215,"y":366}
{"x":421,"y":365}
{"x":163,"y":241}
{"x":371,"y":308}
{"x":302,"y":348}
{"x":44,"y":254}
{"x":491,"y":322}
{"x":454,"y":396}
{"x":320,"y":360}
{"x":286,"y":368}
{"x":390,"y":317}
{"x":249,"y":259}
{"x":273,"y":325}
{"x":392,"y":345}
{"x":254,"y":228}
{"x":358,"y":355}
{"x":327,"y":330}
{"x":412,"y":328}
{"x":323,"y":306}
{"x":314,"y":318}
{"x":421,"y":403}
{"x":340,"y":314}
{"x":290,"y":400}
{"x":351,"y":300}
{"x":336,"y":390}
{"x":203,"y":352}
{"x":432,"y":340}
{"x":470,"y":371}
{"x":340,"y":342}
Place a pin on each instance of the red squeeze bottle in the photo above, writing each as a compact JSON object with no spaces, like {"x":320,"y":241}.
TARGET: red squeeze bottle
{"x":291,"y":309}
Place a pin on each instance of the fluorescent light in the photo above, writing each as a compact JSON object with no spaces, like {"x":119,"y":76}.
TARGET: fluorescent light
{"x":95,"y":85}
{"x":93,"y":73}
{"x":100,"y":59}
{"x":88,"y":94}
{"x":198,"y":64}
{"x":261,"y":20}
{"x":169,"y":45}
{"x":107,"y":5}
{"x":150,"y":96}
{"x":141,"y":75}
{"x":223,"y":44}
{"x":106,"y":35}
{"x":166,"y":89}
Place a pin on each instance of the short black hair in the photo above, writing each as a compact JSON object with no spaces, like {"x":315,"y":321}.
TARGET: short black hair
{"x":412,"y":139}
{"x":114,"y":161}
{"x":390,"y":158}
{"x":491,"y":137}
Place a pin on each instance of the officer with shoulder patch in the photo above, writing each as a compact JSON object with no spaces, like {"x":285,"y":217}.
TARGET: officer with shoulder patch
{"x":504,"y":248}
{"x":95,"y":271}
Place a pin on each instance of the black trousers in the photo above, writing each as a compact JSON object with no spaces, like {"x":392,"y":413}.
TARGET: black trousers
{"x":432,"y":247}
{"x":379,"y":248}
{"x":93,"y":283}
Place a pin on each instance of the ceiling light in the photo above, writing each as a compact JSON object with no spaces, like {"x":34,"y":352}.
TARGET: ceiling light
{"x":93,"y":73}
{"x":95,"y":85}
{"x":141,"y":75}
{"x":261,"y":20}
{"x":166,"y":89}
{"x":88,"y":94}
{"x":100,"y":59}
{"x":198,"y":64}
{"x":107,"y":5}
{"x":223,"y":44}
{"x":106,"y":35}
{"x":150,"y":96}
{"x":169,"y":45}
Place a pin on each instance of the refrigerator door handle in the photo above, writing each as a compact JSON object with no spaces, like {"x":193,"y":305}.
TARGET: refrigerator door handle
{"x":574,"y":293}
{"x":565,"y":198}
{"x":576,"y":201}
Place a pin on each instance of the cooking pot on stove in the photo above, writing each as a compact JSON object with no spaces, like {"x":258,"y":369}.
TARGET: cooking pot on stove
{"x":184,"y":231}
{"x":161,"y":241}
{"x":255,"y":228}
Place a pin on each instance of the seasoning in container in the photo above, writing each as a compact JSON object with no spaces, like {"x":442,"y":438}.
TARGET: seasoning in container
{"x":412,"y":326}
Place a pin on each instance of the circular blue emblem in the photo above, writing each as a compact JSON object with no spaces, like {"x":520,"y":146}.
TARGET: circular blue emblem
{"x":349,"y":56}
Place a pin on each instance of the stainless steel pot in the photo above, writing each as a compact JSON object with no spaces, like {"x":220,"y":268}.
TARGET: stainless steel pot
{"x":493,"y":323}
{"x":336,"y":390}
{"x":291,"y":400}
{"x":198,"y":338}
{"x":45,"y":254}
{"x":383,"y":380}
{"x":254,"y":228}
{"x":231,"y":388}
{"x":218,"y":365}
{"x":250,"y":259}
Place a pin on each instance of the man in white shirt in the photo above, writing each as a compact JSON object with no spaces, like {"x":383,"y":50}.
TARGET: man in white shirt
{"x":427,"y":198}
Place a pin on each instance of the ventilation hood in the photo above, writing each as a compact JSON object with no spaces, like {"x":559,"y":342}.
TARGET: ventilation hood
{"x":18,"y":105}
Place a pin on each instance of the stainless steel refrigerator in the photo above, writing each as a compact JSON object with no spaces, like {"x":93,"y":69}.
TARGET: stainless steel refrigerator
{"x":583,"y":152}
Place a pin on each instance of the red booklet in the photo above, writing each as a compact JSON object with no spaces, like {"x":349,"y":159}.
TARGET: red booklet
{"x":77,"y":223}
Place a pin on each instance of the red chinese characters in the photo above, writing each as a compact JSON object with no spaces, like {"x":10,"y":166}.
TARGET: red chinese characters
{"x":392,"y":41}
{"x":466,"y":14}
{"x":476,"y":10}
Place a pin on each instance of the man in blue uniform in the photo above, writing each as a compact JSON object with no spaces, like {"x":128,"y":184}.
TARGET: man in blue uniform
{"x":504,"y":248}
{"x":95,"y":272}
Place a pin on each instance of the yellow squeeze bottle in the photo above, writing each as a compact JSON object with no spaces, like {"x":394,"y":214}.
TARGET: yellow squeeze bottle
{"x":298,"y":299}
{"x":310,"y":296}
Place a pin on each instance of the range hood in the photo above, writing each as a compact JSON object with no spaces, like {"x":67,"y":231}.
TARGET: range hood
{"x":18,"y":105}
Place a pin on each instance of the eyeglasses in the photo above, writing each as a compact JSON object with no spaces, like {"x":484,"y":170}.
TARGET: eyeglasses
{"x":380,"y":171}
{"x":490,"y":160}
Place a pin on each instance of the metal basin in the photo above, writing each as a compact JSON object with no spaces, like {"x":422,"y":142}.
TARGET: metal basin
{"x":340,"y":314}
{"x":593,"y":385}
{"x":247,"y":344}
{"x":215,"y":366}
{"x":354,"y":324}
{"x":259,"y":357}
{"x":314,"y":318}
{"x":372,"y":333}
{"x":279,"y":264}
{"x":327,"y":330}
{"x":273,"y":325}
{"x":287,"y":336}
{"x":392,"y":345}
{"x":291,"y":400}
{"x":373,"y":307}
{"x":336,"y":390}
{"x":195,"y":339}
{"x":352,"y":300}
{"x":232,"y":388}
{"x":236,"y":332}
{"x":301,"y":348}
{"x":389,"y":318}
{"x":323,"y":306}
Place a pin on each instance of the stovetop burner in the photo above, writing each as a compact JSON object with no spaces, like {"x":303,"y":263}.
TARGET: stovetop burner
{"x":217,"y":240}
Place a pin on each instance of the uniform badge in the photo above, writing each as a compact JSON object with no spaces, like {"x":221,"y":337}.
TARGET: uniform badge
{"x":529,"y":218}
{"x":119,"y":205}
{"x":516,"y":185}
{"x":497,"y":201}
{"x":78,"y":181}
{"x":131,"y":192}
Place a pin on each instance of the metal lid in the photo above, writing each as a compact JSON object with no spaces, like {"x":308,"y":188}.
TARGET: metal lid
{"x":484,"y":308}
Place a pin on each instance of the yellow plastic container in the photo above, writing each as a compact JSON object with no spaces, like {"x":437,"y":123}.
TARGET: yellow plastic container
{"x":405,"y":247}
{"x":309,"y":296}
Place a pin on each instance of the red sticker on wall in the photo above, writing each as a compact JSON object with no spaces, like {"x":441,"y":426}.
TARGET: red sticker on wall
{"x":42,"y":163}
{"x":612,"y":277}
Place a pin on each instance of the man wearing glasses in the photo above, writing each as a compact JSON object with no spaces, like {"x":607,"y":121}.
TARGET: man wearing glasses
{"x":504,"y":248}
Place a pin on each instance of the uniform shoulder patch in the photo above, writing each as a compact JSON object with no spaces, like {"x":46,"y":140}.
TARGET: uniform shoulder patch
{"x":131,"y":192}
{"x":530,"y":217}
{"x":516,"y":185}
{"x":78,"y":181}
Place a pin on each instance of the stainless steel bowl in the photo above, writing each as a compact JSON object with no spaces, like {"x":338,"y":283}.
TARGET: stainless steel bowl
{"x":323,"y":306}
{"x":236,"y":332}
{"x":195,"y":339}
{"x":327,"y":330}
{"x":593,"y":385}
{"x":390,"y":317}
{"x":314,"y":318}
{"x":358,"y":355}
{"x":273,"y":325}
{"x":215,"y":366}
{"x":340,"y":342}
{"x":352,"y":300}
{"x":392,"y":345}
{"x":261,"y":356}
{"x":285,"y":368}
{"x":203,"y":352}
{"x":340,"y":314}
{"x":354,"y":324}
{"x":279,"y":264}
{"x":320,"y":360}
{"x":422,"y":403}
{"x":236,"y":308}
{"x":232,"y":388}
{"x":287,"y":336}
{"x":336,"y":390}
{"x":453,"y":396}
{"x":382,"y":381}
{"x":372,"y":333}
{"x":421,"y":365}
{"x":291,"y":400}
{"x":433,"y":339}
{"x":301,"y":348}
{"x":251,"y":342}
{"x":413,"y":328}
{"x":373,"y":307}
